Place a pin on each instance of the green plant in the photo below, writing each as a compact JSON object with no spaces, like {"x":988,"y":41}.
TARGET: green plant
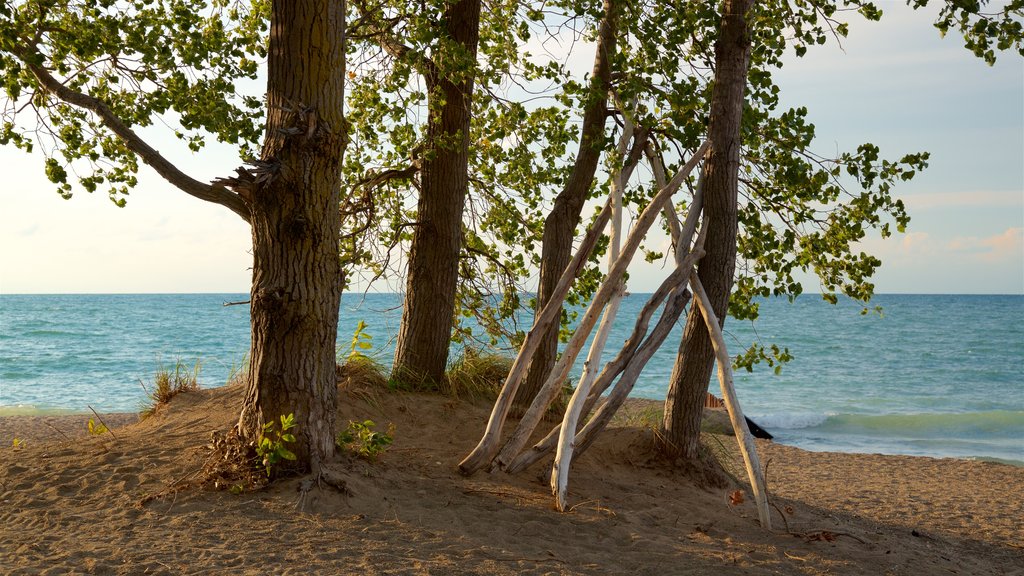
{"x":360,"y":341}
{"x":361,"y":439}
{"x":96,"y":428}
{"x":168,"y":384}
{"x":270,"y":449}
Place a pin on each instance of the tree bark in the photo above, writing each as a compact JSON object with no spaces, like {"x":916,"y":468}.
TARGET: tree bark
{"x":560,"y":224}
{"x":297,"y":276}
{"x":421,"y":352}
{"x":690,"y":375}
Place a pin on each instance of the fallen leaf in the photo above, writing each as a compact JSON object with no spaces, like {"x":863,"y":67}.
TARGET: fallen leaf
{"x":736,"y":497}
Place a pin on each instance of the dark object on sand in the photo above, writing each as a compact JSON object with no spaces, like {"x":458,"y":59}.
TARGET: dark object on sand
{"x":757,"y":431}
{"x":713,"y":401}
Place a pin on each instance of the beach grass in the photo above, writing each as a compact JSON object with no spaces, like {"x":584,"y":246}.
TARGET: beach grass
{"x":476,"y":374}
{"x":168,"y":383}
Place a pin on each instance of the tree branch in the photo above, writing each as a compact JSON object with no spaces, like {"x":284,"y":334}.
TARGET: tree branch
{"x":371,"y":182}
{"x":149,"y":155}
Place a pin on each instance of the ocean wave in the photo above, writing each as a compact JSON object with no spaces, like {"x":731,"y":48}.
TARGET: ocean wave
{"x":32,"y":410}
{"x":49,"y":332}
{"x":990,"y":423}
{"x":790,"y":421}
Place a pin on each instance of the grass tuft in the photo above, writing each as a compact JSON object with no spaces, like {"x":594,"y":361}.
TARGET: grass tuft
{"x":476,"y":375}
{"x":361,"y":370}
{"x":167,"y":384}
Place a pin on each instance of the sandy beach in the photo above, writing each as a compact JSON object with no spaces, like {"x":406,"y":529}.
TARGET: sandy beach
{"x":124,"y":503}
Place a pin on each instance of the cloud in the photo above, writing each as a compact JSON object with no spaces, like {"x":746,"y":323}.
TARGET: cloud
{"x":916,"y":243}
{"x":1008,"y":244}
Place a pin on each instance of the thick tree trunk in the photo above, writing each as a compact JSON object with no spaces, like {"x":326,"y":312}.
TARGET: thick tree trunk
{"x":560,"y":224}
{"x":689,"y":380}
{"x":421,"y":352}
{"x":297,"y":277}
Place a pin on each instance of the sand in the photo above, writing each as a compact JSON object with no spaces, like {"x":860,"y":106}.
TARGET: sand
{"x":84,"y":504}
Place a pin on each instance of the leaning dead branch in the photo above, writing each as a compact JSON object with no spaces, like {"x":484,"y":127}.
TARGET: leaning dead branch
{"x":732,"y":404}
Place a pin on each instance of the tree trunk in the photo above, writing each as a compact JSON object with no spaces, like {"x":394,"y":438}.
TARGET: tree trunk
{"x":421,"y":352}
{"x":560,"y":224}
{"x":297,"y":277}
{"x":691,"y":373}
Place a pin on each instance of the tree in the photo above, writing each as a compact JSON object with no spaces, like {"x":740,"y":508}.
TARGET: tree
{"x":772,"y":252}
{"x":421,"y":352}
{"x":684,"y":404}
{"x":92,"y":73}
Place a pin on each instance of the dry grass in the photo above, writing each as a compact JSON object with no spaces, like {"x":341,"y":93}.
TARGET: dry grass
{"x":362,"y":370}
{"x":476,"y":375}
{"x":167,"y":384}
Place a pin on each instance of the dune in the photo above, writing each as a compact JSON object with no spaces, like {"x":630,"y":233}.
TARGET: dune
{"x":131,"y":503}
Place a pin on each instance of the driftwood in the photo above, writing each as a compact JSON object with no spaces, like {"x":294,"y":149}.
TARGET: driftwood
{"x":611,"y":370}
{"x":489,"y":443}
{"x":673,"y":310}
{"x":518,"y":439}
{"x":573,"y":411}
{"x":616,"y":366}
{"x":732,"y":405}
{"x":747,"y":447}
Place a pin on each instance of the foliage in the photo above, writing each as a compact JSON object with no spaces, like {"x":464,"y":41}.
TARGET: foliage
{"x":270,"y":448}
{"x":168,"y":384}
{"x":360,"y":439}
{"x":984,"y":29}
{"x":148,"y":62}
{"x":96,"y":428}
{"x":801,"y":211}
{"x":175,"y":64}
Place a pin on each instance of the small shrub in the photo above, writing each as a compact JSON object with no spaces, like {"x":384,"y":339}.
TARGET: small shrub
{"x":358,"y":367}
{"x":270,"y":449}
{"x":360,"y":341}
{"x":362,"y":440}
{"x":168,"y":384}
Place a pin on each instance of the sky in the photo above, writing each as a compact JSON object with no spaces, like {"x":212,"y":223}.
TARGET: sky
{"x":895,"y":83}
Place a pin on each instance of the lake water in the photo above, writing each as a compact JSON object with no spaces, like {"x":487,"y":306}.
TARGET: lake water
{"x":933,"y":375}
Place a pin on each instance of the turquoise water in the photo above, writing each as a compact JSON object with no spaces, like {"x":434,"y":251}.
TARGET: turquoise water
{"x":932,"y":375}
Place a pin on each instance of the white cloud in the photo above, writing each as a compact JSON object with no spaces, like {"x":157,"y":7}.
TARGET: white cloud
{"x":917,"y":243}
{"x":1007,"y":245}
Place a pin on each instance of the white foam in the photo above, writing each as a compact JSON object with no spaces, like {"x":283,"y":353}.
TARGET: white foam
{"x":789,"y":420}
